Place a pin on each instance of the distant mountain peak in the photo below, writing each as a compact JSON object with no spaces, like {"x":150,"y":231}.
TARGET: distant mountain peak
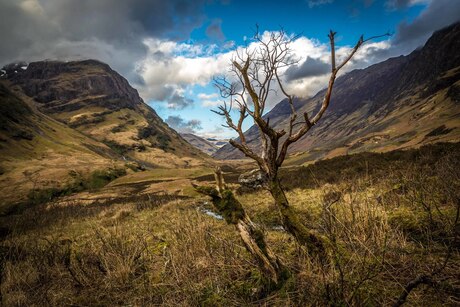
{"x":202,"y":144}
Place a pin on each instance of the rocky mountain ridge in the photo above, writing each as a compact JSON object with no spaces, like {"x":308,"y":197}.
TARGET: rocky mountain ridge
{"x":54,"y":86}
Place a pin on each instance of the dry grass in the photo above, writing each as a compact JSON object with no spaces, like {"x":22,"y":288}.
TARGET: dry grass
{"x":383,"y":232}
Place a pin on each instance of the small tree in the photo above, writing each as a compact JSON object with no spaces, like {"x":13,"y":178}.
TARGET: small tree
{"x":253,"y":238}
{"x":256,"y":70}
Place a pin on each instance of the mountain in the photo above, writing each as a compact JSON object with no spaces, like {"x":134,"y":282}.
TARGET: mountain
{"x":94,"y":99}
{"x":402,"y":102}
{"x":58,"y":117}
{"x":39,"y":151}
{"x":217,"y":142}
{"x":202,"y":144}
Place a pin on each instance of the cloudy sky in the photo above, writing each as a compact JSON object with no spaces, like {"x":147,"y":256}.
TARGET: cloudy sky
{"x":171,"y":50}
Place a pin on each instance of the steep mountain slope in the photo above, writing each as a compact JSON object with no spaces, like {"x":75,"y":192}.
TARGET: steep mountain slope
{"x":59,"y":118}
{"x":217,"y":142}
{"x":38,"y":151}
{"x":200,"y":143}
{"x":402,"y":102}
{"x":94,"y":99}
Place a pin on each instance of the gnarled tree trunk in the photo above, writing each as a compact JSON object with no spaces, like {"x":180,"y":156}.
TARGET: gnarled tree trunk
{"x":253,"y":238}
{"x":291,"y":222}
{"x":256,"y":72}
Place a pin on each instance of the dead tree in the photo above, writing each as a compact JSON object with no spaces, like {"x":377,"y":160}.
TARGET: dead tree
{"x":253,"y":238}
{"x":256,"y":72}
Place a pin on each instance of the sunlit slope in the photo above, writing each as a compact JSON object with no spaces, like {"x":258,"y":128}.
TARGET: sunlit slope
{"x":37,"y":150}
{"x":94,"y":99}
{"x":63,"y":117}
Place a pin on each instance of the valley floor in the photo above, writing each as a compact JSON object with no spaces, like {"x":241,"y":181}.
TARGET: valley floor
{"x":148,"y":238}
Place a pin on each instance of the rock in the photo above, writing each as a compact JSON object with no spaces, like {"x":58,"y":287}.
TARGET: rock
{"x":254,"y":179}
{"x":69,"y":86}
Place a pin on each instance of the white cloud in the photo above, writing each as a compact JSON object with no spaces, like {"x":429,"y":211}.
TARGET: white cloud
{"x":209,"y":100}
{"x":204,"y":96}
{"x":171,"y":68}
{"x":32,"y":7}
{"x":211,"y":103}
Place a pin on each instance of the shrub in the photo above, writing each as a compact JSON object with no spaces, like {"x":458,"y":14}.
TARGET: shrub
{"x":145,"y":132}
{"x":95,"y":180}
{"x":116,"y":147}
{"x":163,"y":141}
{"x":100,"y":178}
{"x":441,"y":130}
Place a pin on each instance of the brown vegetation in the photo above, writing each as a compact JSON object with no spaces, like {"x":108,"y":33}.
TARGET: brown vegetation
{"x":392,"y":227}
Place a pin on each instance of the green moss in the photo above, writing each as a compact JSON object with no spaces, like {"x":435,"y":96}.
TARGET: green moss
{"x":207,"y":190}
{"x":259,"y":238}
{"x":209,"y":297}
{"x":229,"y":207}
{"x":226,"y":204}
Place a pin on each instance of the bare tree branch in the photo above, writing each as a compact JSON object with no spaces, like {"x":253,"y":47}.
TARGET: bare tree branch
{"x":256,"y":70}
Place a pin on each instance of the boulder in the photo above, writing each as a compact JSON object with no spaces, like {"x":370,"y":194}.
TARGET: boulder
{"x":254,"y":179}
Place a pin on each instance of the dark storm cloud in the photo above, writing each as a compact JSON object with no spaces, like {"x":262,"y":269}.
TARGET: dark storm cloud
{"x":109,"y":30}
{"x":20,"y":27}
{"x":214,"y":30}
{"x":409,"y":36}
{"x":310,"y":68}
{"x":173,"y":96}
{"x":120,"y":19}
{"x":439,"y":14}
{"x":178,"y":102}
{"x":180,"y":125}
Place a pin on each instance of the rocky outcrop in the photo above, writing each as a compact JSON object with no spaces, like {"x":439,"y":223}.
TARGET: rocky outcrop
{"x":69,"y":86}
{"x":254,"y":179}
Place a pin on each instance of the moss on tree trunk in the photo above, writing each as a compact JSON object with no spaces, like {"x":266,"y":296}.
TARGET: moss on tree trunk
{"x":314,"y":242}
{"x":253,"y":238}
